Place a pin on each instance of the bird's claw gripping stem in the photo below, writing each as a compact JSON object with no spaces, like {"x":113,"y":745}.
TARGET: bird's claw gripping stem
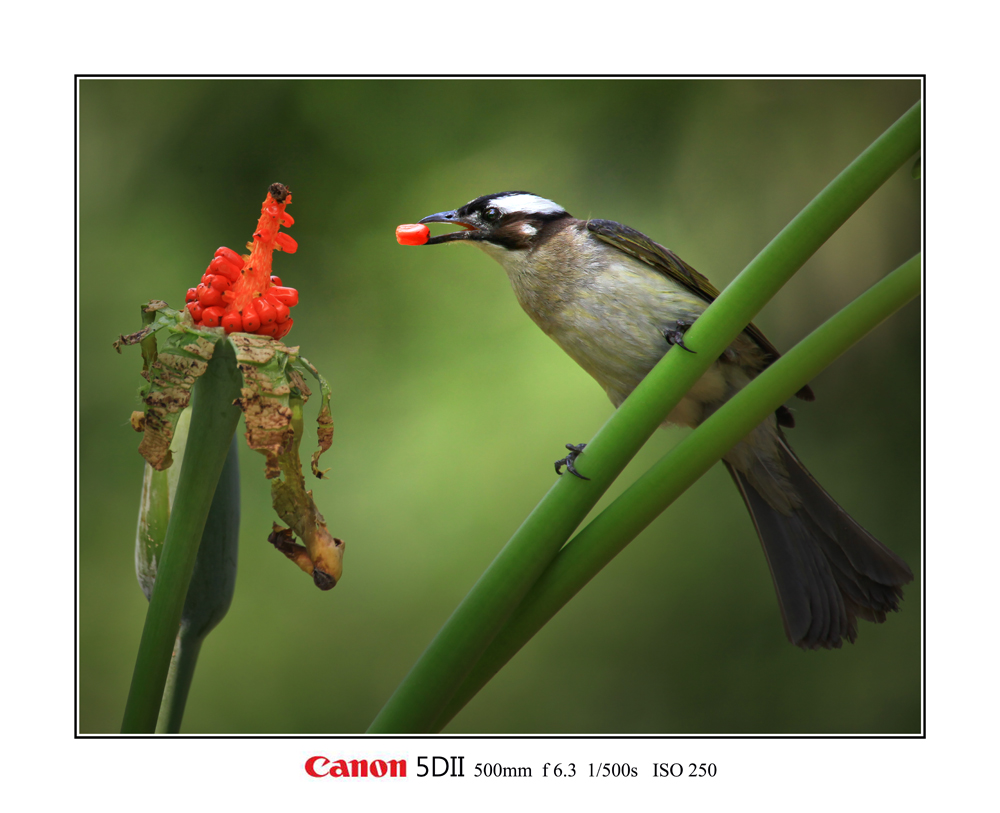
{"x":570,"y":459}
{"x":676,"y":335}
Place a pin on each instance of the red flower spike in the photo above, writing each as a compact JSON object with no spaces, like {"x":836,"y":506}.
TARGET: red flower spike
{"x":239,"y":292}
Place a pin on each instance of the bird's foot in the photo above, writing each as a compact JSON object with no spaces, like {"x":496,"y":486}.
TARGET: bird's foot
{"x":570,"y":459}
{"x":676,"y":334}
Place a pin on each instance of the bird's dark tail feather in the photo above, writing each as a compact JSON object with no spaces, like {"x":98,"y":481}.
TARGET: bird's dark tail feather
{"x":828,"y":571}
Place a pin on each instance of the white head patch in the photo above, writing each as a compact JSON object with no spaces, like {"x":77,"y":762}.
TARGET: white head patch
{"x":529,"y":204}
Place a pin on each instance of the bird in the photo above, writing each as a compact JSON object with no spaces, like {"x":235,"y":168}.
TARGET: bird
{"x":616,"y":301}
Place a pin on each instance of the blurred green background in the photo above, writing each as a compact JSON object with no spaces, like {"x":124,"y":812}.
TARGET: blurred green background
{"x":450,"y":405}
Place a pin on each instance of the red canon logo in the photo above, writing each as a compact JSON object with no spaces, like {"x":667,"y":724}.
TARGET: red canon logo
{"x":337,"y":768}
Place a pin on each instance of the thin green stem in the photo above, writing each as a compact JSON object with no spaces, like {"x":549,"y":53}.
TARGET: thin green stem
{"x":608,"y":534}
{"x":178,"y":685}
{"x":422,"y":696}
{"x":213,"y":422}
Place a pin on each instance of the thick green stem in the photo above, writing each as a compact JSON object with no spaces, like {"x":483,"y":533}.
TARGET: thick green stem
{"x":213,"y":422}
{"x":210,"y":592}
{"x":422,"y":696}
{"x":608,"y":534}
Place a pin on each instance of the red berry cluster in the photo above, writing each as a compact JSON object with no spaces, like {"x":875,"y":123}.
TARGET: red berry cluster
{"x":238,"y":292}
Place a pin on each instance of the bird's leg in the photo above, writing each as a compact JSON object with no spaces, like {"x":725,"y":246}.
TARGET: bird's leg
{"x":675,"y":335}
{"x":574,"y":453}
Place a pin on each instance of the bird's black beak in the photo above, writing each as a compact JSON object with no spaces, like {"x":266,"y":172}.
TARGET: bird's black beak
{"x":451,"y":217}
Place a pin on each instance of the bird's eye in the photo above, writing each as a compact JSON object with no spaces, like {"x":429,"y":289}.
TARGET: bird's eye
{"x":491,"y":214}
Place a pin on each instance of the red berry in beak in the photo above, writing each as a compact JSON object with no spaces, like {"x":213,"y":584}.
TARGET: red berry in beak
{"x":412,"y":234}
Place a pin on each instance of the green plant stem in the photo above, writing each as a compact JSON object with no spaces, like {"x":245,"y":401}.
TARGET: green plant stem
{"x":179,"y":677}
{"x":213,"y":422}
{"x":209,"y":594}
{"x":421,"y":698}
{"x":608,"y":534}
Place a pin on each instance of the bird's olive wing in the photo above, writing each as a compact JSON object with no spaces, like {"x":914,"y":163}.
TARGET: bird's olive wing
{"x":653,"y":254}
{"x":638,"y":245}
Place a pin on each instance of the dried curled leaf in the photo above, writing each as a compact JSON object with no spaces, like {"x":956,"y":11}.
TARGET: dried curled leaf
{"x":264,"y":397}
{"x":134,"y":338}
{"x":272,"y":374}
{"x":171,"y":366}
{"x":295,"y":506}
{"x":325,"y":432}
{"x":324,"y":421}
